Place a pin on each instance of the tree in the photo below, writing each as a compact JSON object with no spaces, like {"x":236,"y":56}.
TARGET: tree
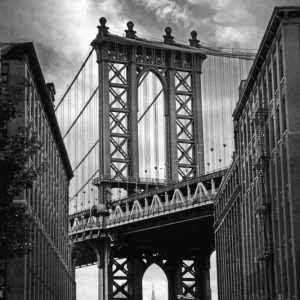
{"x":17,"y":174}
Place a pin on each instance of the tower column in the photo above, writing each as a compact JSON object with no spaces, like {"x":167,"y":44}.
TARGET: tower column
{"x":202,"y":277}
{"x":133,"y":102}
{"x":104,"y":270}
{"x":135,"y":278}
{"x":104,"y":127}
{"x":197,"y":100}
{"x":174,"y":277}
{"x":172,"y":159}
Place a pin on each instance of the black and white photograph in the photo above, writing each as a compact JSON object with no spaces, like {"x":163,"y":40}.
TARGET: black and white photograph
{"x":149,"y":150}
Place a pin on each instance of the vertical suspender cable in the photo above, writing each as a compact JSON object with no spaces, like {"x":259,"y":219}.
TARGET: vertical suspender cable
{"x":154,"y":94}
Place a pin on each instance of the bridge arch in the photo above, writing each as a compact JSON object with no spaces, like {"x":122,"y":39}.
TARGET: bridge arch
{"x":151,"y":124}
{"x":155,"y":280}
{"x":156,"y":72}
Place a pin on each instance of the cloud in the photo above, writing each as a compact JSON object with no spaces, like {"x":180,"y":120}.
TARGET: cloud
{"x":63,"y":30}
{"x":165,"y":10}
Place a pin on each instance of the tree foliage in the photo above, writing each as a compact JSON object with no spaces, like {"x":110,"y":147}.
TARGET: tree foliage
{"x":16,"y":174}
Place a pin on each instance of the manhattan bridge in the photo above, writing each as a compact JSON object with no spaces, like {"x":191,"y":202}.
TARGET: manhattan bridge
{"x":148,"y":128}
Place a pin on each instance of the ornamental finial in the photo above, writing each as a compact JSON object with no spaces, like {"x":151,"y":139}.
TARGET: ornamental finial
{"x":168,"y":38}
{"x":102,"y":29}
{"x":130,"y":33}
{"x":193,"y":41}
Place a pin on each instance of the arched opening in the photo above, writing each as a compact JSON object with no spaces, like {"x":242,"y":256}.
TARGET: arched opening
{"x":213,"y":276}
{"x":151,"y":127}
{"x":155,"y":284}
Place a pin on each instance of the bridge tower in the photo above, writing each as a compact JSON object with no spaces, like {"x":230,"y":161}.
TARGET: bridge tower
{"x":123,"y":64}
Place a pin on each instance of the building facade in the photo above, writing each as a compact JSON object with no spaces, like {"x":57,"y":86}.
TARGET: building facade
{"x":47,"y":272}
{"x":257,"y":209}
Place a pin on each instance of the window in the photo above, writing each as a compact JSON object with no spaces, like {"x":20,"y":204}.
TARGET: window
{"x":267,"y":139}
{"x":4,"y":76}
{"x":245,"y":133}
{"x":278,"y":133}
{"x":32,"y":103}
{"x":272,"y":144}
{"x":248,"y":129}
{"x":252,"y":128}
{"x":275,"y":73}
{"x":265,"y":90}
{"x":36,"y":112}
{"x":242,"y":140}
{"x":270,"y":84}
{"x":39,"y":121}
{"x":260,"y":98}
{"x":280,"y":64}
{"x":28,"y":90}
{"x":279,"y":172}
{"x":284,"y":126}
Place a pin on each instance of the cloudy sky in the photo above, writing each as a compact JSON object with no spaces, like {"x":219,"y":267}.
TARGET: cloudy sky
{"x":63,"y":29}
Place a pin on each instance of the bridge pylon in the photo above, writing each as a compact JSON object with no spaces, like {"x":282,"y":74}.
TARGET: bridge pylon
{"x":124,"y":63}
{"x":126,"y":118}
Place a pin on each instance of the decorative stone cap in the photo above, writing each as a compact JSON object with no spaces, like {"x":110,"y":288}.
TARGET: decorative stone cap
{"x":193,"y":41}
{"x":130,"y":33}
{"x":168,"y":38}
{"x":102,"y":29}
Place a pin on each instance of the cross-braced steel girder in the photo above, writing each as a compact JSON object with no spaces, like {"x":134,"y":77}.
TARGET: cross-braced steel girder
{"x":119,"y":118}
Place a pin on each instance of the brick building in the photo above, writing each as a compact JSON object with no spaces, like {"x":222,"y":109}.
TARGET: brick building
{"x":47,"y":272}
{"x":257,"y":209}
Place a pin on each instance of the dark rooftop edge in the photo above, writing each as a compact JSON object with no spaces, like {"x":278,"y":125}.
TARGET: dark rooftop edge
{"x":14,"y":51}
{"x":263,"y":50}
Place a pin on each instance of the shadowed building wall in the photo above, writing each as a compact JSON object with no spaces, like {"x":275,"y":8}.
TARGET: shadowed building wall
{"x":47,"y":272}
{"x":257,"y":209}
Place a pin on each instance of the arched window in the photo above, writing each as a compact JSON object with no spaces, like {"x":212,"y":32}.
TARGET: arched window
{"x":155,"y":284}
{"x":151,"y":126}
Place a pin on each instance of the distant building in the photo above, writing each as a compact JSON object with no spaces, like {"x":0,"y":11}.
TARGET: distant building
{"x":257,"y":209}
{"x":153,"y":293}
{"x":47,"y":272}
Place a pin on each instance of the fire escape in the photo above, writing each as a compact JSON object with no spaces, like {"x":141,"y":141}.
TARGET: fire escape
{"x":263,"y":205}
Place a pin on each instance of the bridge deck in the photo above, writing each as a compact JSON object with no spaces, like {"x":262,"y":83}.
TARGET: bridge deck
{"x":171,"y":200}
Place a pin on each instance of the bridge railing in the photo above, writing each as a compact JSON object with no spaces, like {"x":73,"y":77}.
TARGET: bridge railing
{"x":80,"y":208}
{"x":167,"y":207}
